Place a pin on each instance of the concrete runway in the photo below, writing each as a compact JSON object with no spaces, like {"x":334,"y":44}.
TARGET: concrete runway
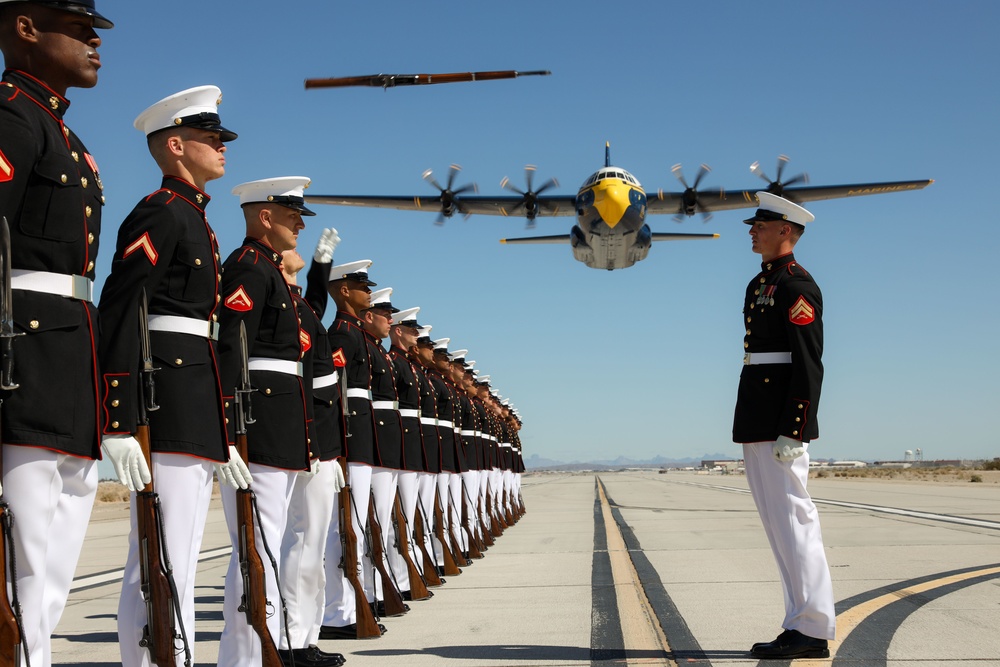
{"x":640,"y":568}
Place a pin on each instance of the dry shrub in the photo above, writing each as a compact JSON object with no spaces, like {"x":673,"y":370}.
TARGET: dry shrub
{"x":111,"y":492}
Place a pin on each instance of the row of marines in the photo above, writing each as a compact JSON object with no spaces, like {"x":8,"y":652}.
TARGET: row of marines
{"x":430,"y":451}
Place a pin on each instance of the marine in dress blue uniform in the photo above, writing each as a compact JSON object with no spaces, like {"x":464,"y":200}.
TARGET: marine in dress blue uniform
{"x":52,"y":196}
{"x":254,"y":292}
{"x":167,"y":250}
{"x":775,"y":419}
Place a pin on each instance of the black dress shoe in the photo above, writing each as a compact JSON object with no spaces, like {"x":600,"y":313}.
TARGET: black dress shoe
{"x":378,"y":608}
{"x":311,"y":657}
{"x":791,"y":644}
{"x":408,"y":595}
{"x":343,"y":631}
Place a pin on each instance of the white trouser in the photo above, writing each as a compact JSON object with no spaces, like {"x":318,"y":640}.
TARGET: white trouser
{"x":383,"y":494}
{"x":426,"y":491}
{"x":303,"y":578}
{"x":340,"y":597}
{"x":496,"y":488}
{"x":470,"y":492}
{"x":239,"y":645}
{"x":50,"y":495}
{"x":791,"y":523}
{"x":455,"y":500}
{"x":442,"y":498}
{"x":484,"y":478}
{"x":508,"y":485}
{"x":407,"y":486}
{"x":184,"y":484}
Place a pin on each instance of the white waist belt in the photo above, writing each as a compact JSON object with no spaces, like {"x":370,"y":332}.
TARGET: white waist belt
{"x":326,"y":380}
{"x":184,"y":325}
{"x":505,"y":444}
{"x":429,"y":421}
{"x":385,"y":405}
{"x":70,"y":286}
{"x":275,"y":365}
{"x":445,"y":424}
{"x":358,"y":392}
{"x":755,"y":358}
{"x":469,"y":434}
{"x":409,"y":412}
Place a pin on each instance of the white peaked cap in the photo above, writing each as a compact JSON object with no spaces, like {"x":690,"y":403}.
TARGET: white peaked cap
{"x":352,"y":271}
{"x":483,"y":378}
{"x":470,"y":364}
{"x":505,"y":402}
{"x":194,"y":107}
{"x":773,"y":207}
{"x":284,"y":190}
{"x":458,"y":355}
{"x":381,"y":297}
{"x":425,"y":331}
{"x":442,"y":344}
{"x":404,"y":316}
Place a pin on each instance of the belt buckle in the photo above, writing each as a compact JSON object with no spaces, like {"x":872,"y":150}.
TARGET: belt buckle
{"x":82,"y":288}
{"x":746,"y":358}
{"x":213,"y":330}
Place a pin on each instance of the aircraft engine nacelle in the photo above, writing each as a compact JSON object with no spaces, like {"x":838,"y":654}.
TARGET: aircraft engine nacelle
{"x":581,"y":250}
{"x":643,"y":240}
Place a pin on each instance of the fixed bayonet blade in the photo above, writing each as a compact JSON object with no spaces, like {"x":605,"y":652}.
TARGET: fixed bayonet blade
{"x":146,"y":351}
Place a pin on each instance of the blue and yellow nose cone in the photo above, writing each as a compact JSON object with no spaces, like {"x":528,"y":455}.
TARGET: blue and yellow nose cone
{"x":611,"y":199}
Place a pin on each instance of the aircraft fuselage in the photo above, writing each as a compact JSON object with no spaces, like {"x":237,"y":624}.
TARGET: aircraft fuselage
{"x":611,"y":230}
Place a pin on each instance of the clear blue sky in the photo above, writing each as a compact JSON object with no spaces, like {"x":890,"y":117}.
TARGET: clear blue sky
{"x":643,"y":361}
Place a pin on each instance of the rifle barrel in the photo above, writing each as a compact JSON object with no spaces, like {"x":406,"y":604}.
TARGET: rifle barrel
{"x":393,"y":80}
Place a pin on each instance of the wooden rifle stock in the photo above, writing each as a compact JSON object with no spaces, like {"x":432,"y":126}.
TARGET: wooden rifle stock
{"x":393,"y":80}
{"x":450,"y":564}
{"x":496,"y":527}
{"x":367,"y":626}
{"x":160,"y":635}
{"x":418,"y":589}
{"x":254,"y":602}
{"x":394,"y":605}
{"x":431,"y":576}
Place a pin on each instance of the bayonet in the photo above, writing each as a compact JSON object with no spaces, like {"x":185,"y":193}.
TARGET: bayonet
{"x":146,"y":352}
{"x":7,"y":333}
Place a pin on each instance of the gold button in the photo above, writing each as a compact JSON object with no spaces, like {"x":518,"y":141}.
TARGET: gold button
{"x":766,"y":380}
{"x":381,"y":423}
{"x":178,"y":361}
{"x":227,"y":420}
{"x":267,"y":391}
{"x":283,"y":306}
{"x":751,"y":306}
{"x":218,"y":298}
{"x":748,"y":320}
{"x":215,"y":318}
{"x":227,"y":404}
{"x":330,"y":402}
{"x":114,"y":403}
{"x":90,"y":267}
{"x":88,"y":211}
{"x":90,"y":237}
{"x":309,"y":442}
{"x":33,"y":324}
{"x":218,"y":276}
{"x":199,"y":198}
{"x":748,"y":332}
{"x":756,"y":292}
{"x":762,"y":281}
{"x":63,"y":178}
{"x":114,"y":424}
{"x":798,"y":419}
{"x":76,"y":156}
{"x":83,"y":181}
{"x":769,"y":266}
{"x":65,"y":130}
{"x":197,"y":261}
{"x":54,"y":102}
{"x":795,"y":432}
{"x":102,"y":199}
{"x":745,"y":345}
{"x":114,"y":383}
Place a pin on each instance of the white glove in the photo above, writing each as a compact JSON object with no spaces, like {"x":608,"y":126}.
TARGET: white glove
{"x":313,"y":468}
{"x":126,"y":455}
{"x":786,"y":449}
{"x":234,"y":473}
{"x":328,"y":242}
{"x":338,"y":478}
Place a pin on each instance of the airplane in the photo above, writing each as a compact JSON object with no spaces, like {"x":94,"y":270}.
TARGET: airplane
{"x":610,"y":207}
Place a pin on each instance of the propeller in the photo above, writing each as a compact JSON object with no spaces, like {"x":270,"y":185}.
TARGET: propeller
{"x":777,"y":186}
{"x":689,"y":198}
{"x":449,"y":195}
{"x":529,"y":197}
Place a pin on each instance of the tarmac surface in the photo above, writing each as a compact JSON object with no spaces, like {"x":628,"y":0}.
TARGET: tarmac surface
{"x":640,"y":568}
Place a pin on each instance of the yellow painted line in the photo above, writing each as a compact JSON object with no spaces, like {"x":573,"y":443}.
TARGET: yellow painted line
{"x":853,"y":617}
{"x":641,"y":632}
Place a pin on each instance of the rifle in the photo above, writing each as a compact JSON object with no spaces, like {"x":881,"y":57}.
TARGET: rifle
{"x":12,"y":639}
{"x":254,"y":600}
{"x":394,"y":605}
{"x":367,"y":626}
{"x":430,"y":567}
{"x":450,"y":566}
{"x":418,"y":589}
{"x":156,"y":581}
{"x":393,"y":80}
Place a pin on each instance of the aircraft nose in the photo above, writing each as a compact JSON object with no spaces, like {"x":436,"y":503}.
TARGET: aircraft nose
{"x":611,"y":200}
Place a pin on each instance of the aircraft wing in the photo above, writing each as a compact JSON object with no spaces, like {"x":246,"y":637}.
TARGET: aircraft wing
{"x":473,"y":204}
{"x":559,"y":238}
{"x":717,"y":200}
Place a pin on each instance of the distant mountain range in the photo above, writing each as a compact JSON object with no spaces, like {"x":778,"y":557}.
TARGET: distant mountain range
{"x":536,"y":462}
